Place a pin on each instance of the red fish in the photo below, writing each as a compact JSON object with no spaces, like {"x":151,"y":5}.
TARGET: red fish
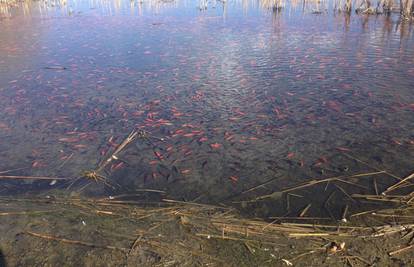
{"x":233,"y":178}
{"x":343,"y":149}
{"x":334,"y":105}
{"x":79,"y":146}
{"x":158,"y":155}
{"x":115,"y":167}
{"x":203,"y":139}
{"x":215,"y":145}
{"x":69,"y":139}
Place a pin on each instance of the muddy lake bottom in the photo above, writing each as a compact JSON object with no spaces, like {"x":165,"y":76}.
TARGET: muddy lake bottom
{"x":165,"y":134}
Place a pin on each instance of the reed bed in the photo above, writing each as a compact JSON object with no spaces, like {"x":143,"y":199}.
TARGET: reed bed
{"x":404,"y":7}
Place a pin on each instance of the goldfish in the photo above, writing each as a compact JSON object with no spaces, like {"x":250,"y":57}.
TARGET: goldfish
{"x":215,"y":145}
{"x":115,"y":167}
{"x":158,"y":155}
{"x":69,"y":139}
{"x":290,"y":155}
{"x":203,"y":139}
{"x":79,"y":146}
{"x":343,"y":149}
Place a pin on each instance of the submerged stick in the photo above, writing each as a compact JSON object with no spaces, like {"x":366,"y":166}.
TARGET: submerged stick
{"x":344,"y":214}
{"x":315,"y":182}
{"x":12,"y":170}
{"x":25,"y":212}
{"x":129,"y":139}
{"x":303,"y":213}
{"x":75,"y":242}
{"x":395,"y":186}
{"x":32,"y":177}
{"x":258,"y":186}
{"x":372,"y":167}
{"x":392,"y":253}
{"x":55,"y":68}
{"x":345,"y":193}
{"x":376,"y":186}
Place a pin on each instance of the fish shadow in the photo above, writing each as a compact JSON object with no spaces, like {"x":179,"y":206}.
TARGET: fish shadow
{"x":2,"y":260}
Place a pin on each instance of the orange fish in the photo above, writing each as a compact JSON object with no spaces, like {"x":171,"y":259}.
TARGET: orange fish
{"x":343,"y":149}
{"x":334,"y":105}
{"x":215,"y":145}
{"x":37,"y":164}
{"x":203,"y":139}
{"x":290,"y":155}
{"x":158,"y":155}
{"x":79,"y":146}
{"x":115,"y":167}
{"x":69,"y":139}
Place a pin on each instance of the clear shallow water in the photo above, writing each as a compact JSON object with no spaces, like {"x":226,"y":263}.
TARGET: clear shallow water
{"x":241,"y":95}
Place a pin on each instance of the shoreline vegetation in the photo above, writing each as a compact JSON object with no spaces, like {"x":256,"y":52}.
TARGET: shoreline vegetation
{"x":158,"y":231}
{"x":404,"y":7}
{"x":369,"y":7}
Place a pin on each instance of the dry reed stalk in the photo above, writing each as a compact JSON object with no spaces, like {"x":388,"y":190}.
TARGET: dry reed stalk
{"x":313,"y":226}
{"x":196,"y":204}
{"x":208,"y":236}
{"x":322,"y":234}
{"x":299,"y":218}
{"x":114,"y":156}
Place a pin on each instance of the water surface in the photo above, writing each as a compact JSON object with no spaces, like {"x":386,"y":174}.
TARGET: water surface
{"x":240,"y":95}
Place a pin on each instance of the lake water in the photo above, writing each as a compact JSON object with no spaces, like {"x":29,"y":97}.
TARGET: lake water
{"x":238,"y":100}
